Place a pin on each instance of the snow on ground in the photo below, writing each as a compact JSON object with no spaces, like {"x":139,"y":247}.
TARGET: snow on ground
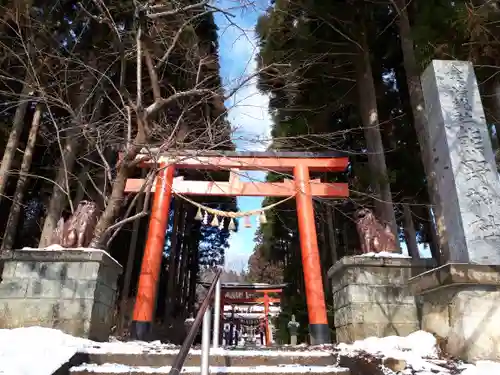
{"x":158,"y":348}
{"x":36,"y":350}
{"x":287,"y":369}
{"x":420,"y":352}
{"x":41,"y":351}
{"x":383,"y":254}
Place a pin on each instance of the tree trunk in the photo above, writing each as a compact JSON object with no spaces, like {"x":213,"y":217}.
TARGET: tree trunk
{"x":15,"y":210}
{"x":190,"y":253}
{"x":375,"y":148}
{"x":113,"y":208}
{"x":434,"y":238}
{"x":181,"y":259}
{"x":332,"y":236}
{"x":13,"y":141}
{"x":417,"y":103}
{"x":59,"y":195}
{"x":345,"y":235}
{"x":323,"y":255}
{"x":410,"y":233}
{"x":491,"y":99}
{"x":185,"y":282}
{"x":60,"y":192}
{"x":82,"y":180}
{"x":193,"y":278}
{"x":172,"y":264}
{"x":129,"y":266}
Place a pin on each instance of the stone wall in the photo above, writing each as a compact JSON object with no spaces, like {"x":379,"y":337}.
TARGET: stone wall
{"x":371,"y":298}
{"x":71,"y":290}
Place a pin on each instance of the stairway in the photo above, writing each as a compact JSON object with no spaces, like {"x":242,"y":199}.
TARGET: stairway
{"x":99,"y":361}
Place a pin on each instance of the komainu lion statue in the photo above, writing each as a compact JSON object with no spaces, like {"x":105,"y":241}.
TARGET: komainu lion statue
{"x":373,"y":236}
{"x":78,"y":229}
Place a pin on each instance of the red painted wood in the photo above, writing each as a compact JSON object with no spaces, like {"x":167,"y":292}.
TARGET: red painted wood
{"x":263,"y":163}
{"x":315,"y":295}
{"x":256,"y":189}
{"x":151,"y":262}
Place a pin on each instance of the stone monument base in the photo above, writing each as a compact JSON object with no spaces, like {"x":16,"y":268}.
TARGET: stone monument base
{"x":461,"y":305}
{"x":371,"y":297}
{"x":73,"y":290}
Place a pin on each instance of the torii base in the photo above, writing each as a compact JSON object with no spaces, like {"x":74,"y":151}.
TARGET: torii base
{"x":319,"y":334}
{"x":140,"y":331}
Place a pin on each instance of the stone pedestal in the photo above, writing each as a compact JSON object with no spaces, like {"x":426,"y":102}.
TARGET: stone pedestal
{"x":71,"y":290}
{"x":461,"y":304}
{"x":371,"y":298}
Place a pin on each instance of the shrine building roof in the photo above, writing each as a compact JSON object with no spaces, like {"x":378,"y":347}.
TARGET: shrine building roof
{"x":235,"y":287}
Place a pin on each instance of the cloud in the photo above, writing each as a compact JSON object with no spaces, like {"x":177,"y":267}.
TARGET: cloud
{"x":247,"y":113}
{"x":248,"y":109}
{"x":237,"y":259}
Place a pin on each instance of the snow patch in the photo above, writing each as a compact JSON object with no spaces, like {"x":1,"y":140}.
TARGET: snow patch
{"x":418,"y":349}
{"x":69,"y":249}
{"x":36,"y":350}
{"x":286,"y":369}
{"x":383,"y":254}
{"x":41,"y":351}
{"x":482,"y":368}
{"x":157,"y":348}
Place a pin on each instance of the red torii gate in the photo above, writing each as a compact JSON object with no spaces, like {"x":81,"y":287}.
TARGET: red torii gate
{"x":266,"y":300}
{"x":264,"y":289}
{"x":304,"y":189}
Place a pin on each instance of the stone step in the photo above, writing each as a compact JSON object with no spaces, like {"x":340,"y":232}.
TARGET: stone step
{"x":120,"y":369}
{"x":218,"y":357}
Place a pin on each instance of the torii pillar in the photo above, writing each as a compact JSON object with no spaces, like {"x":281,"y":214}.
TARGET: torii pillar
{"x":145,"y":302}
{"x":316,"y":309}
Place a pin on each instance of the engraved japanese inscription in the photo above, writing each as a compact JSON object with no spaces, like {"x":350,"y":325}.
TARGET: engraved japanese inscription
{"x":469,"y":189}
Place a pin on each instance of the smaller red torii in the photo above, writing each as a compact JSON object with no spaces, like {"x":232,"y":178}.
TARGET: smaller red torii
{"x":302,"y":187}
{"x":266,"y":300}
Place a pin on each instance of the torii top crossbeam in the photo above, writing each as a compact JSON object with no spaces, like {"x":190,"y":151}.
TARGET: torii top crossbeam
{"x":266,"y":161}
{"x":301,"y":187}
{"x":235,"y":162}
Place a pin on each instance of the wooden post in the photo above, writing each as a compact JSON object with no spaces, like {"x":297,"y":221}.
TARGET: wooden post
{"x":266,"y":319}
{"x":410,"y":233}
{"x":315,"y":296}
{"x":145,"y":302}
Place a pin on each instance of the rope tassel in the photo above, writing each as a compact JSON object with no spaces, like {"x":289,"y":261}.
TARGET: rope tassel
{"x":199,"y":215}
{"x":232,"y":225}
{"x":215,"y":221}
{"x":262,"y":218}
{"x":247,"y":223}
{"x":205,"y":218}
{"x":221,"y":224}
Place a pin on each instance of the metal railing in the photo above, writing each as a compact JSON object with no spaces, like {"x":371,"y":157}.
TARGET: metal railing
{"x":202,"y":315}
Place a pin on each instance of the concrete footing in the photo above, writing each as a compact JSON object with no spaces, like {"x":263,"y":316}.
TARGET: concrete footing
{"x":461,"y":305}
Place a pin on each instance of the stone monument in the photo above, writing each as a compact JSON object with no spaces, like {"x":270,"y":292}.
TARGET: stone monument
{"x":461,"y":299}
{"x":468,"y":189}
{"x":293,"y":327}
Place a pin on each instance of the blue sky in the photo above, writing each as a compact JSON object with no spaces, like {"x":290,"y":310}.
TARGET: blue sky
{"x":247,"y":110}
